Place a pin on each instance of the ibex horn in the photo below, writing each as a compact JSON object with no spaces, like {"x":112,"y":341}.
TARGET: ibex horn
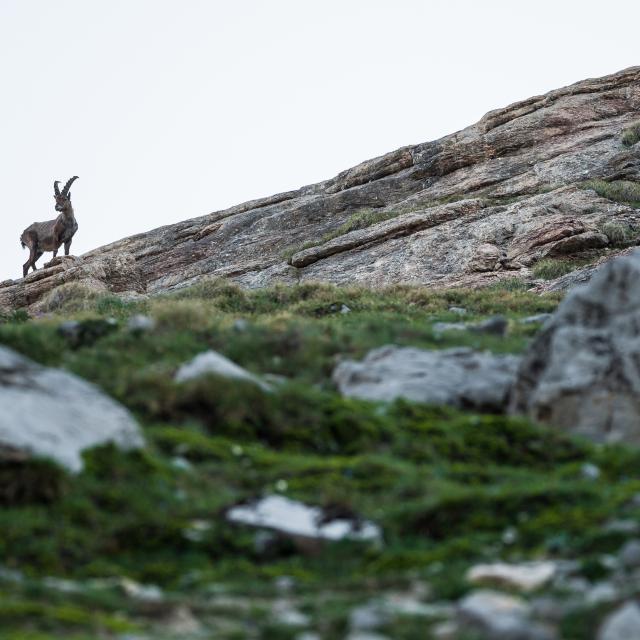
{"x":56,"y":190}
{"x":65,"y":190}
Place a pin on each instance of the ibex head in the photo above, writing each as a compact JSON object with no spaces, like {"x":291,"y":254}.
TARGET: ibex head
{"x":63,"y":198}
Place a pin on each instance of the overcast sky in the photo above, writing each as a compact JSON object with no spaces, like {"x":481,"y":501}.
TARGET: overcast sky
{"x":170,"y":109}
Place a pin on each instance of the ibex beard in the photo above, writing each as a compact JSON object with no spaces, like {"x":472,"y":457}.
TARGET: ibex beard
{"x":51,"y":235}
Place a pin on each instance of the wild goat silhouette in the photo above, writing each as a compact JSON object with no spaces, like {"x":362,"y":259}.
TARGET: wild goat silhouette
{"x":50,"y":235}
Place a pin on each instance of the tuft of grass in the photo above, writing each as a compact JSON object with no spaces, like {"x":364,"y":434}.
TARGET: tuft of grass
{"x":550,"y":268}
{"x":623,"y":191}
{"x":69,"y":298}
{"x":361,"y":219}
{"x":619,"y":234}
{"x":631,"y":135}
{"x":189,"y":314}
{"x":509,"y":284}
{"x":17,"y":317}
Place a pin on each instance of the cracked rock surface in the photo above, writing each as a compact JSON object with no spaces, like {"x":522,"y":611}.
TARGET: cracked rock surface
{"x":472,"y":208}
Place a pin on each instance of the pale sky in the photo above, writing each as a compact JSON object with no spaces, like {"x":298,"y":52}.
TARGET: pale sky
{"x":170,"y":109}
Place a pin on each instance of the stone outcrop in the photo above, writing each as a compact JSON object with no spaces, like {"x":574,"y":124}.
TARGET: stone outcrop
{"x":582,"y":371}
{"x":474,"y":207}
{"x":458,"y":377}
{"x":51,"y":413}
{"x":213,"y":363}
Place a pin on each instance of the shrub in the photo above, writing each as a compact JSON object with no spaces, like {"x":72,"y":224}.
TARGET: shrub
{"x":631,"y":135}
{"x":619,"y":234}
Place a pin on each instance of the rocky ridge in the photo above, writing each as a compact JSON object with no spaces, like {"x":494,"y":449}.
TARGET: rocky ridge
{"x":480,"y":205}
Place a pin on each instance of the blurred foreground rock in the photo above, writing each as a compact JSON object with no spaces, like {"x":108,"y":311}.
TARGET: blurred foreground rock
{"x":457,"y":377}
{"x":582,"y":371}
{"x":54,"y":414}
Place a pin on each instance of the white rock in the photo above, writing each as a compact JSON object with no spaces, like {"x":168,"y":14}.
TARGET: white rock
{"x":622,"y":624}
{"x":367,"y":616}
{"x":539,"y":318}
{"x":286,"y":614}
{"x":526,"y":577}
{"x":141,"y":324}
{"x":143,"y":592}
{"x":443,"y":327}
{"x":211,"y":362}
{"x":459,"y":377}
{"x":62,"y":585}
{"x":294,"y":518}
{"x":590,"y":471}
{"x":461,"y":311}
{"x":54,"y":414}
{"x":499,"y":616}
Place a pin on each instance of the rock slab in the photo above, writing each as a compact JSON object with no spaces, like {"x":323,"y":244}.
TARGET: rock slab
{"x":458,"y":377}
{"x":54,"y":414}
{"x":582,"y":372}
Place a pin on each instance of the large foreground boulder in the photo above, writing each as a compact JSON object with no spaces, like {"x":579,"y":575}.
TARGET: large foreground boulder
{"x":54,"y":414}
{"x":582,"y":371}
{"x":457,"y":377}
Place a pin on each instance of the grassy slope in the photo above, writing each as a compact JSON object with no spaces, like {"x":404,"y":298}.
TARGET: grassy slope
{"x":443,"y":485}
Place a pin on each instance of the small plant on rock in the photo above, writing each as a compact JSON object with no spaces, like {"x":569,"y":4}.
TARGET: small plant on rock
{"x":631,"y":135}
{"x":619,"y":234}
{"x":549,"y":268}
{"x":624,"y":191}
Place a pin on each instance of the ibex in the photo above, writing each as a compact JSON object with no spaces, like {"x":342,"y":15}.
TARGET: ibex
{"x":48,"y":236}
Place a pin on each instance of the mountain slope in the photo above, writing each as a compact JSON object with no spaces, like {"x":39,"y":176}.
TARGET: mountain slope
{"x":485,"y":203}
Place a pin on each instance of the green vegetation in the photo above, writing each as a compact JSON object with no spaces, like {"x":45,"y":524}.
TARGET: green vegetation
{"x":619,"y":234}
{"x":361,"y":219}
{"x":631,"y":135}
{"x":550,"y":268}
{"x":623,"y":191}
{"x":443,"y":485}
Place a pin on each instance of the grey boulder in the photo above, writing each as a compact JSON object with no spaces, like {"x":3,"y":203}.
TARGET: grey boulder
{"x":459,"y":377}
{"x":498,"y":616}
{"x":54,"y":414}
{"x":582,"y":372}
{"x":622,"y":624}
